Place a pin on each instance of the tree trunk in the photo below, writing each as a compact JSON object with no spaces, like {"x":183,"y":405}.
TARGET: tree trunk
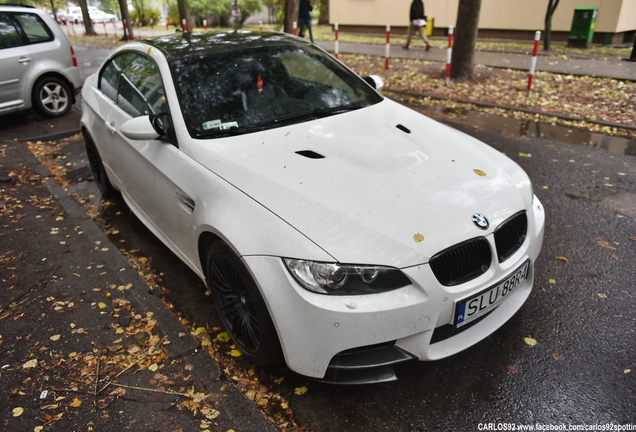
{"x":291,"y":15}
{"x":633,"y":56}
{"x":323,"y":19}
{"x":465,"y":37}
{"x":184,"y":14}
{"x":547,"y":34}
{"x":88,"y":24}
{"x":125,"y":17}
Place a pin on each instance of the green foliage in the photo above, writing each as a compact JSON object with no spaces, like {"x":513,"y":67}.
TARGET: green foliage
{"x":216,"y":12}
{"x":144,"y":12}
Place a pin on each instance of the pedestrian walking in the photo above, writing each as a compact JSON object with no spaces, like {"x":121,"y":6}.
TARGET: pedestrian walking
{"x":416,"y":24}
{"x":304,"y":18}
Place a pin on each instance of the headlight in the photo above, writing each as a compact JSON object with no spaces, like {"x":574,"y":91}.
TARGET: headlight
{"x":344,"y":279}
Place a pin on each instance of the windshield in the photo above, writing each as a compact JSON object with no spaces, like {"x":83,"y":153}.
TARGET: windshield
{"x":236,"y":92}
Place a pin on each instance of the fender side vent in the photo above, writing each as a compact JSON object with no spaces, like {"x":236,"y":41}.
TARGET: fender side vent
{"x":403,"y":128}
{"x":310,"y":154}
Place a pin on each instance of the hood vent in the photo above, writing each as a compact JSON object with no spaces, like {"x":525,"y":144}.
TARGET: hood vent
{"x":403,"y":128}
{"x":310,"y":154}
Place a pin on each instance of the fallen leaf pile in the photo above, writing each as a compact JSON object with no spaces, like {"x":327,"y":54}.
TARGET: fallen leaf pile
{"x":586,"y":97}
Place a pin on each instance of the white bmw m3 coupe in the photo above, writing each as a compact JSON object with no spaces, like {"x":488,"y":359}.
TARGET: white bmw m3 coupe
{"x":339,"y":232}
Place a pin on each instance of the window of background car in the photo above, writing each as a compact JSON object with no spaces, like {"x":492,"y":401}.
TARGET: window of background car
{"x":262,"y":88}
{"x":34,"y":28}
{"x":9,"y":36}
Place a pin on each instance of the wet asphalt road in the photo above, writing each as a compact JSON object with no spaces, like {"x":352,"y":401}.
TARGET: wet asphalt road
{"x":581,"y":312}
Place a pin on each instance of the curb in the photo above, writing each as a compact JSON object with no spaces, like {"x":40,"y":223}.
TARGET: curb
{"x":509,"y":108}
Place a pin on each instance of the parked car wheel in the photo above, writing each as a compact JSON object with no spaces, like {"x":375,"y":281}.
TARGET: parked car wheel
{"x":97,"y":168}
{"x":52,"y":97}
{"x":241,"y":307}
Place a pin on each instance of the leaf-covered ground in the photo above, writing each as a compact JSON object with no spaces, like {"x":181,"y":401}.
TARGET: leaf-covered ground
{"x":586,"y":97}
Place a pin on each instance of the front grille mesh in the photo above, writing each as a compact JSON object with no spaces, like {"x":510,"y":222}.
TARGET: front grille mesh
{"x":462,"y":262}
{"x":510,"y":235}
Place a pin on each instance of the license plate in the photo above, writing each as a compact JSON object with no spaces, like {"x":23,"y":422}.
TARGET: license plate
{"x":470,"y":309}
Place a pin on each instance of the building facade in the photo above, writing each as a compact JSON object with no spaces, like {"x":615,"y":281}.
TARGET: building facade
{"x":504,"y":19}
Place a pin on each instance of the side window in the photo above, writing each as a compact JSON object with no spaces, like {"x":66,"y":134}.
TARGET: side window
{"x":109,"y":76}
{"x":34,"y":28}
{"x":9,"y":36}
{"x":140,"y":88}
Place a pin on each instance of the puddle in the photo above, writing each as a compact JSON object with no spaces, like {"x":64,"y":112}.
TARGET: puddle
{"x":613,"y":144}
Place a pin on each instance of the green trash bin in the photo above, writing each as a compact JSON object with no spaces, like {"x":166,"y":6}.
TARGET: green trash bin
{"x":583,"y":25}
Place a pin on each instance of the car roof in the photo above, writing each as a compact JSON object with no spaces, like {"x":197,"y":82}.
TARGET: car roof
{"x":180,"y":45}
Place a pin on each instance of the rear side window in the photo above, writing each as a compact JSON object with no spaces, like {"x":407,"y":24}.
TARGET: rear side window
{"x":34,"y":28}
{"x":9,"y":36}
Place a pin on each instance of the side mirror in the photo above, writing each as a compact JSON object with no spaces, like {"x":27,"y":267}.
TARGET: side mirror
{"x":140,"y":129}
{"x":374,"y":81}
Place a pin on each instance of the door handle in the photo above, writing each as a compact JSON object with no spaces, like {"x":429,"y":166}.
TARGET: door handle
{"x":110,"y":126}
{"x":24,"y":60}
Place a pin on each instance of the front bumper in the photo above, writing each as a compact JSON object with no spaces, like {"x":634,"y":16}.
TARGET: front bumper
{"x":313,"y":328}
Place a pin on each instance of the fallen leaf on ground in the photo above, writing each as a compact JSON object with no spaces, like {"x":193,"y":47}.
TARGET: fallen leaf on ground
{"x":605,"y":244}
{"x":236,"y":353}
{"x":17,"y":412}
{"x":300,"y":390}
{"x":30,"y":364}
{"x":75,"y":403}
{"x":557,"y":356}
{"x":223,"y":337}
{"x":480,"y":173}
{"x":562,"y":259}
{"x":530,"y":341}
{"x":512,"y":368}
{"x":552,"y":281}
{"x":601,"y":295}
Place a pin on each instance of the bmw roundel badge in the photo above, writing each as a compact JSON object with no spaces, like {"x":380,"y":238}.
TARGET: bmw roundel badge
{"x":480,"y":220}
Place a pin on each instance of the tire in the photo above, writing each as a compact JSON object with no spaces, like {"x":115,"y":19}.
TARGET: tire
{"x":52,"y":97}
{"x":97,"y":168}
{"x":241,"y":307}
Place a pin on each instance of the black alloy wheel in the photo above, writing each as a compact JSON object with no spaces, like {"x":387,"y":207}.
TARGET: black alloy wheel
{"x":241,"y":307}
{"x":97,"y":168}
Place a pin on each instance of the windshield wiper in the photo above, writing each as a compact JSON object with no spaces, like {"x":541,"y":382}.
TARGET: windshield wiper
{"x":231,"y":131}
{"x":314,"y":114}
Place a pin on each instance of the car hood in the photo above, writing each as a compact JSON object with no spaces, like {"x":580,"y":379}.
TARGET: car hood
{"x":381,"y":185}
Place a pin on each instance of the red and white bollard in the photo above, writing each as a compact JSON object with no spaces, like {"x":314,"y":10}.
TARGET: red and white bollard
{"x":387,"y":50}
{"x":137,"y":24}
{"x":335,"y":42}
{"x":205,"y":25}
{"x":185,"y":25}
{"x":260,"y":25}
{"x":126,"y":30}
{"x":449,"y":54}
{"x":295,"y":26}
{"x":533,"y":62}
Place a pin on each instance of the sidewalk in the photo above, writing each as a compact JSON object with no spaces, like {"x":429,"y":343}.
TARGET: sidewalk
{"x":84,"y":344}
{"x":610,"y":68}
